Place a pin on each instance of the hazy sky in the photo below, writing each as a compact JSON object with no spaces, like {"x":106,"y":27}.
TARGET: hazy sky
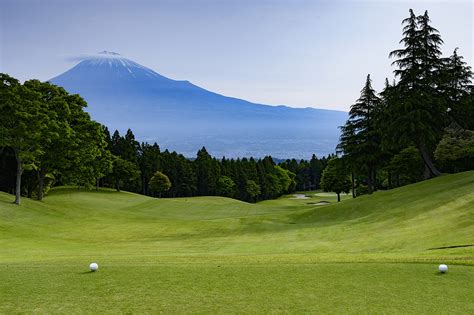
{"x":297,"y":53}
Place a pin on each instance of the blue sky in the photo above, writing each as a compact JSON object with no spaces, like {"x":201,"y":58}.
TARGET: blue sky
{"x":297,"y":53}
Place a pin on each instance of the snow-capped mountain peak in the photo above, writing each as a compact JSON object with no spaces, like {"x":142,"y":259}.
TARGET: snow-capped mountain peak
{"x":113,"y":65}
{"x":181,"y":116}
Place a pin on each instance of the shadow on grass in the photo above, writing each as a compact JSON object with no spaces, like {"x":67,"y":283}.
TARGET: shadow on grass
{"x":438,"y":273}
{"x":86,"y":272}
{"x":452,"y":246}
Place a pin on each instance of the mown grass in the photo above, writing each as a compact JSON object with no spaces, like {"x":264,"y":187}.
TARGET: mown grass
{"x":210,"y":254}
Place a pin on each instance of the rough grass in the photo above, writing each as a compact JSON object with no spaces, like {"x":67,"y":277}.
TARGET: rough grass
{"x":208,"y":254}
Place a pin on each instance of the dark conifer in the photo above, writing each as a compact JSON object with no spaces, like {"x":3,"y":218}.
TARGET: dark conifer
{"x":360,"y":139}
{"x":416,"y":111}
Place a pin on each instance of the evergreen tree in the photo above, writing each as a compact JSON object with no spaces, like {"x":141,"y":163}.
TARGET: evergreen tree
{"x":416,"y":112}
{"x":303,"y":175}
{"x":180,"y":172}
{"x":207,"y":173}
{"x":459,"y":90}
{"x":316,"y":168}
{"x":149,"y":162}
{"x":360,"y":139}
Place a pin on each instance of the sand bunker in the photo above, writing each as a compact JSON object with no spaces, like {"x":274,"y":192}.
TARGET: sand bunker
{"x":326,"y":194}
{"x":299,"y":196}
{"x":320,"y":203}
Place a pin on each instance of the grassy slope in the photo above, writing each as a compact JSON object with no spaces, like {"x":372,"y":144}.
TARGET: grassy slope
{"x":224,"y":255}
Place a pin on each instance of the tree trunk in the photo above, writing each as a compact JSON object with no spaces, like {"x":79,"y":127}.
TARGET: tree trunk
{"x":19,"y":172}
{"x":118,"y":186}
{"x":97,"y":184}
{"x":431,"y":170}
{"x":389,"y":180}
{"x":338,"y":197}
{"x":353,"y":185}
{"x":41,"y":176}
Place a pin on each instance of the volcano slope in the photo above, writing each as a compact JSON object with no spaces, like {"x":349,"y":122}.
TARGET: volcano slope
{"x":376,"y":254}
{"x":181,"y":116}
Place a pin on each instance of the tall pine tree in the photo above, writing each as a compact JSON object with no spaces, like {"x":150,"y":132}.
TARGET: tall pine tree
{"x":360,"y":139}
{"x":416,"y":112}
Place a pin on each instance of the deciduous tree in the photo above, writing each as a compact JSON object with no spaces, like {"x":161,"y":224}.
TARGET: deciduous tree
{"x":160,"y":183}
{"x":22,"y":121}
{"x":336,"y":178}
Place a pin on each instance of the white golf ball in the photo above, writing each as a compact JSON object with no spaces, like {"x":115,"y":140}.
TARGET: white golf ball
{"x":93,"y":267}
{"x":443,"y":268}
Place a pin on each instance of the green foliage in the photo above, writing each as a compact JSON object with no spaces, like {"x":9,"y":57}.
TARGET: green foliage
{"x":336,"y":178}
{"x":22,"y":119}
{"x":181,"y":174}
{"x":406,"y":166}
{"x":50,"y":133}
{"x":458,"y":90}
{"x":91,"y":158}
{"x":126,"y":147}
{"x":456,"y":149}
{"x":285,"y":180}
{"x":149,"y":161}
{"x":226,"y":187}
{"x":360,"y":138}
{"x":252,"y":189}
{"x":428,"y":94}
{"x":160,"y":182}
{"x":207,"y":173}
{"x":72,"y":145}
{"x":415,"y":109}
{"x":306,"y":175}
{"x":124,"y":171}
{"x":22,"y":122}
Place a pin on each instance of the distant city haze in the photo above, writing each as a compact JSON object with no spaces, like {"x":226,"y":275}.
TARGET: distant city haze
{"x":295,"y":53}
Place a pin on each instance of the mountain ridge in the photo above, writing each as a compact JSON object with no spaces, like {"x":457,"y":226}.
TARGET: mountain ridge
{"x":182,"y":116}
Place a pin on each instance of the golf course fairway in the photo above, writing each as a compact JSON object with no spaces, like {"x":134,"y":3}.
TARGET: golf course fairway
{"x":372,"y":254}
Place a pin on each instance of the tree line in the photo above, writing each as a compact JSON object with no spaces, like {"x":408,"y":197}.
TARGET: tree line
{"x":47,"y":139}
{"x":417,"y":127}
{"x":143,"y":168}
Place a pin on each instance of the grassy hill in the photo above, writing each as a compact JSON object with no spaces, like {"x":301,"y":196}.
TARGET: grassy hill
{"x":374,"y":253}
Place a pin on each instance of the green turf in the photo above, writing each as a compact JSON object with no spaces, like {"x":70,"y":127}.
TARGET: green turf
{"x":208,"y":254}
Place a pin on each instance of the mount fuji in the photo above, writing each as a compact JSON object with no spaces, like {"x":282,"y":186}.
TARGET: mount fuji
{"x":181,"y":116}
